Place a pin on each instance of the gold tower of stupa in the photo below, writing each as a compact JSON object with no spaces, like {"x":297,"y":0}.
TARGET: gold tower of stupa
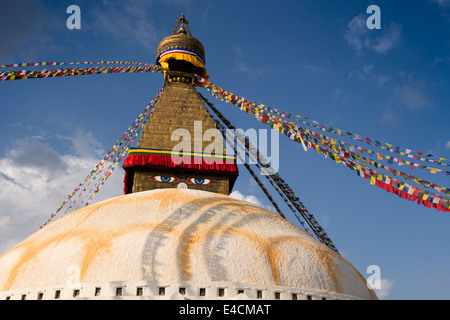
{"x":180,"y":118}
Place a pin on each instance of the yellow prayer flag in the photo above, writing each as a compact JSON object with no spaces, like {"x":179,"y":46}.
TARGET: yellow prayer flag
{"x":372,"y":180}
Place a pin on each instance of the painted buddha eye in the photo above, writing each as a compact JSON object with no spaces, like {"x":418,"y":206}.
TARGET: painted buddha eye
{"x":200,"y":181}
{"x":167,"y":179}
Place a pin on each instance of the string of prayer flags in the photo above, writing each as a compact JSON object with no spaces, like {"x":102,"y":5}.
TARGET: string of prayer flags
{"x":44,"y":63}
{"x":32,"y":74}
{"x":321,"y":235}
{"x":103,"y":170}
{"x":274,"y":179}
{"x":439,"y":202}
{"x":335,"y":150}
{"x":230,"y":140}
{"x":321,"y":139}
{"x":252,"y":107}
{"x":391,"y":185}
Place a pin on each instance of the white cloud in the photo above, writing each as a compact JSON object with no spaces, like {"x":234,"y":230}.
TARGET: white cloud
{"x":85,"y":145}
{"x":385,"y":288}
{"x":388,"y":117}
{"x":360,"y":38}
{"x":442,"y":3}
{"x":252,"y":199}
{"x":447,"y":145}
{"x":314,"y":69}
{"x":33,"y":154}
{"x":409,"y":93}
{"x":356,"y":33}
{"x":4,"y":221}
{"x":127,"y":20}
{"x":439,"y":60}
{"x":412,"y":93}
{"x":413,"y":96}
{"x":133,"y":19}
{"x":36,"y":179}
{"x":341,"y":97}
{"x":389,"y":39}
{"x":237,"y":49}
{"x":242,"y":64}
{"x":367,"y":74}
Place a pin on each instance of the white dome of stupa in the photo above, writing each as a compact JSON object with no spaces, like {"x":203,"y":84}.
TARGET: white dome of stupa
{"x":173,"y":243}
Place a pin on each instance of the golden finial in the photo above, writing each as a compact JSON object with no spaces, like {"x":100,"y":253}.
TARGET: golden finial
{"x":182,"y":30}
{"x":184,"y":24}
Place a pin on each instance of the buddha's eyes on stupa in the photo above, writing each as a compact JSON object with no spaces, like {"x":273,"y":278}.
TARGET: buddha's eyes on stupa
{"x":170,"y":179}
{"x":167,"y":179}
{"x":200,"y":181}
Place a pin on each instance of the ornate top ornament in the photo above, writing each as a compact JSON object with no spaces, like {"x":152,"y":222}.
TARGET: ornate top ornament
{"x":183,"y":48}
{"x":185,"y":42}
{"x":183,"y":21}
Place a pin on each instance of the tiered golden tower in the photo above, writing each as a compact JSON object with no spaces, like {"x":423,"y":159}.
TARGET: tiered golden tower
{"x":180,"y":122}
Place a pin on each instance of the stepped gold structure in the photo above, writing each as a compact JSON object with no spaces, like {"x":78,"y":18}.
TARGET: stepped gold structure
{"x":180,"y":114}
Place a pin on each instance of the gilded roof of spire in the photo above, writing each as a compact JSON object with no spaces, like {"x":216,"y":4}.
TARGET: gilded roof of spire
{"x":182,"y":39}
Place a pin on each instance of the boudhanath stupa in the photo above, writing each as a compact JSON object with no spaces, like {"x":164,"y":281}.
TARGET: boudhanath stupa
{"x":176,"y":233}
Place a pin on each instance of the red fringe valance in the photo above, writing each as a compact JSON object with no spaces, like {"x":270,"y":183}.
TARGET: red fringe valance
{"x":164,"y":161}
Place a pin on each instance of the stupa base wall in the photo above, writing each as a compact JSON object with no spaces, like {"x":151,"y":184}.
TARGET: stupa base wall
{"x":170,"y":290}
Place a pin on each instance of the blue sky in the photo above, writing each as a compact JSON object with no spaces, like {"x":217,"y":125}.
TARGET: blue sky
{"x":311,"y":58}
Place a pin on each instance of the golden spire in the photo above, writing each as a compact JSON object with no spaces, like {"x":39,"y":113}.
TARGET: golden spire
{"x":183,"y":27}
{"x":193,"y":52}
